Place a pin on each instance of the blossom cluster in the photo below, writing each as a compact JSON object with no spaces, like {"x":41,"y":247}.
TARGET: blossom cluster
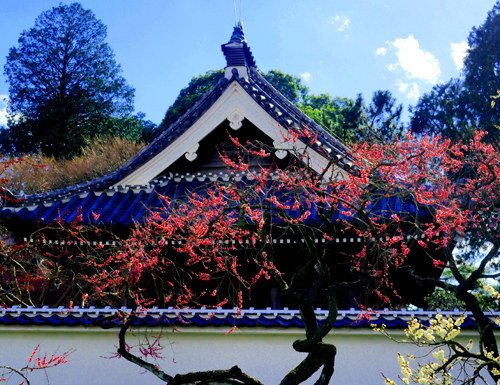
{"x":440,"y":336}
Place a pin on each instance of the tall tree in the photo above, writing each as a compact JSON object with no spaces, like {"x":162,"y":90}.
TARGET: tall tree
{"x":442,"y":111}
{"x":64,"y":84}
{"x":384,"y":117}
{"x":482,"y":72}
{"x":455,"y":109}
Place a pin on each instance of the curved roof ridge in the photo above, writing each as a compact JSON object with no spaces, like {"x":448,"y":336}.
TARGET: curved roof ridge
{"x":299,"y":116}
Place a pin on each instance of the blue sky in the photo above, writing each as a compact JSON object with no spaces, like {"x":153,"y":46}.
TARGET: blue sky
{"x":338,"y":47}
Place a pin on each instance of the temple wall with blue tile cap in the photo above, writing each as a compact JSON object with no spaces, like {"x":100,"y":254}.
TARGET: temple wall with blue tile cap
{"x":197,"y":340}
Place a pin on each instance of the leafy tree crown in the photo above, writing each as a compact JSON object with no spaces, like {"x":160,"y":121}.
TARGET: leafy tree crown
{"x":64,"y":83}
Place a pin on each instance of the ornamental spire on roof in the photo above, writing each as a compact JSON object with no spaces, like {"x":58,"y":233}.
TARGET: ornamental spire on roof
{"x":236,"y":51}
{"x":238,"y":34}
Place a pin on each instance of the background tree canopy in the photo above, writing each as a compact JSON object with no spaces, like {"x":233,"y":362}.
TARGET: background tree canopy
{"x":289,"y":86}
{"x":461,"y":105}
{"x":65,"y":85}
{"x":348,"y":119}
{"x":197,"y":87}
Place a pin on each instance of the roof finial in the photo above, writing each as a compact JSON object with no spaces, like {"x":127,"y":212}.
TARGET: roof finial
{"x":236,"y":51}
{"x":238,"y":34}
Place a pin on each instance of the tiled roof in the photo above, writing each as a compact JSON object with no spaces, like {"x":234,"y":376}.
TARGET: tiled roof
{"x":352,"y":319}
{"x":288,"y":115}
{"x":277,"y":106}
{"x":126,"y":205}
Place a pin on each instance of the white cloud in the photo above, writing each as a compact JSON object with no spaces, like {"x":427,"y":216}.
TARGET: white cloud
{"x":393,"y":67}
{"x":458,"y":52}
{"x":3,"y":110}
{"x":402,"y":86}
{"x":417,"y":63}
{"x":411,"y":90}
{"x":340,"y":22}
{"x":381,"y":51}
{"x":307,"y":77}
{"x":414,"y":92}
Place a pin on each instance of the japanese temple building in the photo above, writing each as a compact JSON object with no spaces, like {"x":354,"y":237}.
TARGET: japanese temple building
{"x":181,"y":158}
{"x":184,"y":155}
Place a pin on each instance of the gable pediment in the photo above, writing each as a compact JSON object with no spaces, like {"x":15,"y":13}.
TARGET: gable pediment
{"x":232,"y":107}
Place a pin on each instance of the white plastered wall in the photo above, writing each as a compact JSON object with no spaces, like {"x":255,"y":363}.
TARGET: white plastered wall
{"x":266,"y":354}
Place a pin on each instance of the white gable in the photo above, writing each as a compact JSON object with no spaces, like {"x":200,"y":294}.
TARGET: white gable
{"x":234,"y":105}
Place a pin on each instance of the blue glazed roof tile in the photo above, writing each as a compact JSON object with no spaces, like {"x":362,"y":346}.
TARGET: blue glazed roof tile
{"x":125,"y":205}
{"x":352,"y":319}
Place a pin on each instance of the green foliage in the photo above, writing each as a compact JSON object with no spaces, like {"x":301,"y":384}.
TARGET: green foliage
{"x":444,"y":300}
{"x":342,"y":117}
{"x":351,"y":120}
{"x":454,"y":109}
{"x":384,"y":117}
{"x":197,"y":87}
{"x":131,"y":127}
{"x":447,"y":300}
{"x":442,"y":111}
{"x":64,"y":84}
{"x":289,"y":86}
{"x":348,"y":119}
{"x":482,"y":72}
